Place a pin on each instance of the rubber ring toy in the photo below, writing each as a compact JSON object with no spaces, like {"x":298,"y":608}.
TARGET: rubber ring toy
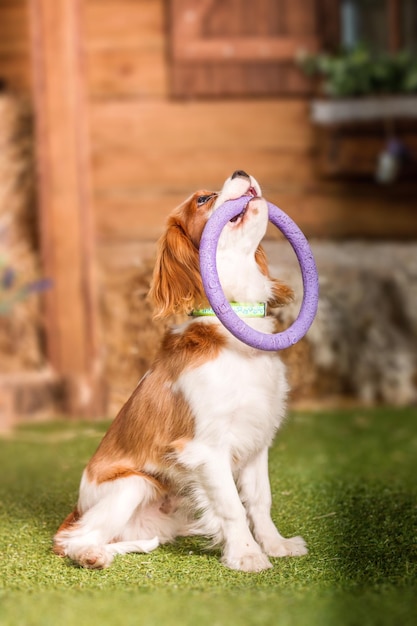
{"x":214,"y":291}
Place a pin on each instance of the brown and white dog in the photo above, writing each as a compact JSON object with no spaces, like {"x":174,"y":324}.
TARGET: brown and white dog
{"x":188,"y":452}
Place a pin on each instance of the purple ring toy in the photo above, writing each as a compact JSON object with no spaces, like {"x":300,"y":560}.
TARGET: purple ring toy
{"x":214,"y":291}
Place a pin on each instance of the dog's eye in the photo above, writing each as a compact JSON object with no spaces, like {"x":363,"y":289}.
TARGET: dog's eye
{"x":203,"y":199}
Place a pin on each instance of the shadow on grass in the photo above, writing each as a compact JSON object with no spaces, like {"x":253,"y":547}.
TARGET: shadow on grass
{"x":375,"y":537}
{"x":183,"y":547}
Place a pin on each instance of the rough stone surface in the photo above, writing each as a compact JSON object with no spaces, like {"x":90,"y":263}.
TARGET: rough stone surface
{"x":361,"y":348}
{"x":363,"y":343}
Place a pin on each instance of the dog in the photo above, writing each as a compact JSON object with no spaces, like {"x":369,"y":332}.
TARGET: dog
{"x":188,"y":452}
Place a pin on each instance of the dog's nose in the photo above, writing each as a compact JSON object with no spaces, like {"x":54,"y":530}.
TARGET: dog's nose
{"x":240,"y":173}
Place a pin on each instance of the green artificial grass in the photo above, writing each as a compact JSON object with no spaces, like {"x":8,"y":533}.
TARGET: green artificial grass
{"x":344,"y":480}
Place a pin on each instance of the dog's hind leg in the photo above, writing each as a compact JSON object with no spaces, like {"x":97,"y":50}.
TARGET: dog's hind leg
{"x":93,"y":536}
{"x":100,"y":557}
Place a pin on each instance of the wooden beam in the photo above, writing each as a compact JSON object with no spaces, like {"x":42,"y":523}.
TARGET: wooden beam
{"x":65,"y":206}
{"x":328,"y":17}
{"x":394,"y":25}
{"x":190,"y":44}
{"x":250,"y":49}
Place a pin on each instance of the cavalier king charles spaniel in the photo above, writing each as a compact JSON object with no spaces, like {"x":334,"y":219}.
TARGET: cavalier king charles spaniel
{"x":188,"y":452}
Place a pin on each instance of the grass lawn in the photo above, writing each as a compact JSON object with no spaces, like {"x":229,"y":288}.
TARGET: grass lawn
{"x":345,"y":480}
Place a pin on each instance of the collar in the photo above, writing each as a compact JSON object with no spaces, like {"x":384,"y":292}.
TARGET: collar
{"x":242,"y":309}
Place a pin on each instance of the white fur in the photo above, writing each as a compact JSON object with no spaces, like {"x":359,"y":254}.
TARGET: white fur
{"x":238,"y":402}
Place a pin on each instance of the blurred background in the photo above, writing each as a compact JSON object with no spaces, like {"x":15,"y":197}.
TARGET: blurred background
{"x":113,"y":111}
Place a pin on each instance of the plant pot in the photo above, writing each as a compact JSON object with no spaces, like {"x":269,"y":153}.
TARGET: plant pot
{"x":370,"y":109}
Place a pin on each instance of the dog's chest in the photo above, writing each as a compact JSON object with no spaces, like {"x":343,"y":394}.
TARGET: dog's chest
{"x":238,"y":401}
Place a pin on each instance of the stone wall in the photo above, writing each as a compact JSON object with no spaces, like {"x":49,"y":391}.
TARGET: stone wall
{"x":363,"y":343}
{"x":362,"y":347}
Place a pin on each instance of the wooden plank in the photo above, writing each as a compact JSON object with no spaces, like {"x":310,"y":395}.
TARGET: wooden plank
{"x":14,"y":45}
{"x":138,"y":145}
{"x":148,"y":157}
{"x":134,"y":215}
{"x":348,"y":215}
{"x":320,"y":208}
{"x":216,"y":50}
{"x":394,"y":21}
{"x":15,"y":72}
{"x":14,"y":28}
{"x":350,"y":210}
{"x":193,"y":41}
{"x":211,"y":126}
{"x":353,"y":149}
{"x":64,"y":200}
{"x":120,"y":255}
{"x":301,"y":19}
{"x":126,"y":72}
{"x":115,"y":24}
{"x":191,"y":169}
{"x":328,"y":16}
{"x":125,"y":48}
{"x":221,"y":79}
{"x":250,"y":49}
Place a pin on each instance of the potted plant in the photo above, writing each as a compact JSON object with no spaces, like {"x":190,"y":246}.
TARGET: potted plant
{"x":357,"y":85}
{"x":355,"y":88}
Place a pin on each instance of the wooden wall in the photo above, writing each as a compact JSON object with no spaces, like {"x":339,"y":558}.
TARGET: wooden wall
{"x":15,"y":44}
{"x":150,"y":151}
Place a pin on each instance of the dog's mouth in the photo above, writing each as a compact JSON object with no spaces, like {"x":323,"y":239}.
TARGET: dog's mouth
{"x":250,"y":192}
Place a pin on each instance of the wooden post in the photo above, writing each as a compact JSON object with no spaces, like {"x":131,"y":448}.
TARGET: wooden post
{"x":65,"y":201}
{"x":394,"y":25}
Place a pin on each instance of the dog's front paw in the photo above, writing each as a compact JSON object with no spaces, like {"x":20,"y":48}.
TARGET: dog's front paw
{"x":93,"y":557}
{"x":295,"y":546}
{"x":250,"y":562}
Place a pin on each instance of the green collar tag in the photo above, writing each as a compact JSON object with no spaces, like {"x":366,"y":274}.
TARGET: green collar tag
{"x":242,"y":309}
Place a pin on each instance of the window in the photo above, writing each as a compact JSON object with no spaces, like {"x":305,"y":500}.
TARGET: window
{"x":221,"y":48}
{"x":383,"y":25}
{"x":409,"y":25}
{"x":241,"y":47}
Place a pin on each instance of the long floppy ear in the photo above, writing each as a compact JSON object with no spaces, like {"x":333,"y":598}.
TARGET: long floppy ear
{"x":176,"y":283}
{"x":281,"y":294}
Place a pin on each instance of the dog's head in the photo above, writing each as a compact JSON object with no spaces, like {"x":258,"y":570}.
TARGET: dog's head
{"x":176,"y":285}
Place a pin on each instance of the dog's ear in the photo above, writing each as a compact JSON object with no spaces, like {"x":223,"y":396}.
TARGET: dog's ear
{"x":281,"y":294}
{"x":176,"y":283}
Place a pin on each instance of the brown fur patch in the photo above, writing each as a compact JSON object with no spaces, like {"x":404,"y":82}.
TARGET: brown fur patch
{"x":198,"y":343}
{"x":281,"y":293}
{"x":114,"y":472}
{"x":179,"y":445}
{"x":156,"y":415}
{"x":262,"y":261}
{"x":69,"y":521}
{"x":176,"y":283}
{"x":142,"y":433}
